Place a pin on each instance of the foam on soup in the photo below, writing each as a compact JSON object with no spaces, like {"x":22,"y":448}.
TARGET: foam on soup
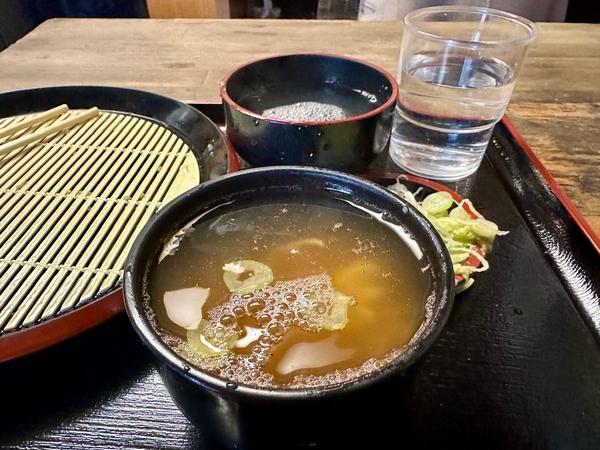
{"x":288,"y":295}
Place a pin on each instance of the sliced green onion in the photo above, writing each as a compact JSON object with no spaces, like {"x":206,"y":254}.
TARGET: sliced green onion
{"x":247,"y":275}
{"x":211,"y":339}
{"x":338,"y":315}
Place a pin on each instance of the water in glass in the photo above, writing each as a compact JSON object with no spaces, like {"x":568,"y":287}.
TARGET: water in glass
{"x":446,"y":111}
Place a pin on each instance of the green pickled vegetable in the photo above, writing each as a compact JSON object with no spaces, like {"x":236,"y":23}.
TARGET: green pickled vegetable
{"x":438,"y":203}
{"x":465,"y":236}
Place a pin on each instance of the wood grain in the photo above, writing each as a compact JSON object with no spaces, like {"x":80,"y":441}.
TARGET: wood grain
{"x":555,"y":106}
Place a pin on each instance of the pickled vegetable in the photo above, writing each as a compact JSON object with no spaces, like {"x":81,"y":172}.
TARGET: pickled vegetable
{"x":465,"y":235}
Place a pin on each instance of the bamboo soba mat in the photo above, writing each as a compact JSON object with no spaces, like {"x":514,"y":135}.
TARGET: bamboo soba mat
{"x":71,"y":205}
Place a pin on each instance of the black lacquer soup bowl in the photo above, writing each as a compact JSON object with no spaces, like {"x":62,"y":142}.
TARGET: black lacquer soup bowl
{"x":242,"y":415}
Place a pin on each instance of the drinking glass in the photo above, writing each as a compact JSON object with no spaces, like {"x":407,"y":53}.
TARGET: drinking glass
{"x":457,"y":70}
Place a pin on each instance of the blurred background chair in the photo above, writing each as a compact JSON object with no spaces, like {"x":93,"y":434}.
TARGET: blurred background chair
{"x":19,"y":17}
{"x":207,"y":9}
{"x":580,"y":11}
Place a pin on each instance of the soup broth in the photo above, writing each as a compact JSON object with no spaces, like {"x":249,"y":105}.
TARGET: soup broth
{"x":290,"y":294}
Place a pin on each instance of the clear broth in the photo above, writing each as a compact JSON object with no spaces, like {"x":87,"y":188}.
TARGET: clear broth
{"x":306,"y":246}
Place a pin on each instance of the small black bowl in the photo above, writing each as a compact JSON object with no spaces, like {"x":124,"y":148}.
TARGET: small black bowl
{"x":242,"y":416}
{"x":365,"y":93}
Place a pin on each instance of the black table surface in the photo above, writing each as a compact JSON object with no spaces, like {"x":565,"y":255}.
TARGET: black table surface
{"x":516,"y":367}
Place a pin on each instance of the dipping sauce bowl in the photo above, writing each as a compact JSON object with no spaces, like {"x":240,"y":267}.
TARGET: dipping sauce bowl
{"x":309,"y":109}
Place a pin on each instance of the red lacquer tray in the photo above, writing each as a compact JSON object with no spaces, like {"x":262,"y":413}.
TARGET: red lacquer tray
{"x":516,"y":366}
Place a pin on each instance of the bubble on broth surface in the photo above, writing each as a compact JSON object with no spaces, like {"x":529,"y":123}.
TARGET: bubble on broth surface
{"x":299,"y":302}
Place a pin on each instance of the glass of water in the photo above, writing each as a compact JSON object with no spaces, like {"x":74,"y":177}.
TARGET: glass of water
{"x":458,"y":67}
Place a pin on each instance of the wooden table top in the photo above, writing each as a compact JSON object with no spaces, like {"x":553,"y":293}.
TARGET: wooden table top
{"x":555,"y":105}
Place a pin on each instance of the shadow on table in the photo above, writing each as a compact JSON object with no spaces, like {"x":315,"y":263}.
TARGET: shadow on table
{"x":56,"y":385}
